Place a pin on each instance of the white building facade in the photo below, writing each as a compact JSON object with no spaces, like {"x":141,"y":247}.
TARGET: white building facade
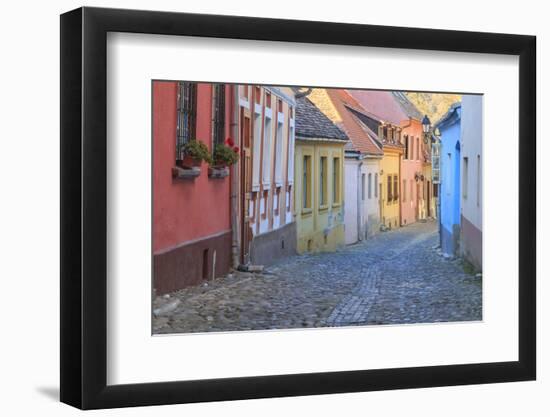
{"x":471,"y":237}
{"x":362,"y":204}
{"x":371,"y":168}
{"x":266,"y":174}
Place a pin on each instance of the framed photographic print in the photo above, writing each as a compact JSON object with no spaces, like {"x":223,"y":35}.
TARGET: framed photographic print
{"x":256,"y":208}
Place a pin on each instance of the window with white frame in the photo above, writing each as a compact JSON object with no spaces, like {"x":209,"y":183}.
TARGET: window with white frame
{"x":264,"y":204}
{"x":266,"y":163}
{"x":370,"y":185}
{"x":257,"y":140}
{"x":279,"y":151}
{"x":276,"y":201}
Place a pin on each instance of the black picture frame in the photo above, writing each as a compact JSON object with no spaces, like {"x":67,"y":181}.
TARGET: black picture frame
{"x":84,"y":207}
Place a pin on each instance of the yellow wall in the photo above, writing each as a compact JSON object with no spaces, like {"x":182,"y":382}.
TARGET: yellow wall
{"x":389,"y":210}
{"x":320,"y":227}
{"x":427,"y":171}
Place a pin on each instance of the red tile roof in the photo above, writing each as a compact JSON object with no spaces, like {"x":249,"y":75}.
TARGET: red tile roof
{"x":382,"y":104}
{"x":362,"y":138}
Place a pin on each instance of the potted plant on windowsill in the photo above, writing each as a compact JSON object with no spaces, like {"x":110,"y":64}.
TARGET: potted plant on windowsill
{"x":224,"y":156}
{"x":194,"y":153}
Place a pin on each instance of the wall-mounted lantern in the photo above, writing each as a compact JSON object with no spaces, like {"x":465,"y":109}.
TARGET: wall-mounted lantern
{"x":426,"y":127}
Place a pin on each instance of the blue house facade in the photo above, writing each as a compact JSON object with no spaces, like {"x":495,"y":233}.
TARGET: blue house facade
{"x":449,"y":127}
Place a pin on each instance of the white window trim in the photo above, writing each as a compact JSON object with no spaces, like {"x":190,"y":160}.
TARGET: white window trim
{"x":244,"y":103}
{"x":256,"y":181}
{"x":279,"y":149}
{"x":267,"y":184}
{"x":258,"y":108}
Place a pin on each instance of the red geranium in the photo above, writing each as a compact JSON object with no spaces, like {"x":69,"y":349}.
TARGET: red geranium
{"x":229,"y":142}
{"x":236,"y":149}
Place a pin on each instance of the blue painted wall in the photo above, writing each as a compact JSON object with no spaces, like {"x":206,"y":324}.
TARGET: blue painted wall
{"x":450,"y":197}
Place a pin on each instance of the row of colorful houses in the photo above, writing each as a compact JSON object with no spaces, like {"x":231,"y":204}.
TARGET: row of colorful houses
{"x":316,"y":169}
{"x":388,"y":160}
{"x":209,"y":218}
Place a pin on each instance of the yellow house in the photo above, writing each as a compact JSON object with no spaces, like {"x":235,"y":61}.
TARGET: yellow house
{"x":390,"y":176}
{"x":318,"y":179}
{"x":430,"y":206}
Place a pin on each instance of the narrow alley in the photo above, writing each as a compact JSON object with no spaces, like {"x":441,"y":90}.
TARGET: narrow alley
{"x":395,"y":277}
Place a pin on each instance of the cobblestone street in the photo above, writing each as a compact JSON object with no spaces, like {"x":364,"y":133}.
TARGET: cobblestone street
{"x":395,"y":277}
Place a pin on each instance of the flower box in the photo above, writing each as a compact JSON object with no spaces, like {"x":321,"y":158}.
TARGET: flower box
{"x":190,"y":162}
{"x":180,"y":173}
{"x":218,"y":172}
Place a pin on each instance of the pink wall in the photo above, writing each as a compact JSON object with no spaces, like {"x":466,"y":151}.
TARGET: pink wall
{"x":409,"y":167}
{"x":185,"y":210}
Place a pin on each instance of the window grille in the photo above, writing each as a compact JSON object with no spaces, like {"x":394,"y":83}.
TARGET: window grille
{"x":218,"y":132}
{"x":186,"y":116}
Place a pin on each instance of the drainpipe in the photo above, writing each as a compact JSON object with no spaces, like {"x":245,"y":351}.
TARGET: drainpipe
{"x":400,"y":195}
{"x":234,"y":108}
{"x":359,"y":191}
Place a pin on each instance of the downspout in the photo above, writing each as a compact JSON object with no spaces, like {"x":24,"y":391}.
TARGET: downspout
{"x":359,"y":195}
{"x":438,"y":208}
{"x":234,"y":108}
{"x":399,"y":196}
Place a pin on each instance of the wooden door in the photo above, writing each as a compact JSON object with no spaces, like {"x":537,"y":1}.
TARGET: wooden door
{"x":381,"y":203}
{"x":246,"y":186}
{"x":417,"y":211}
{"x":428,"y":199}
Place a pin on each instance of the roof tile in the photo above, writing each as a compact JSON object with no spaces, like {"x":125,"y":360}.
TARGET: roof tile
{"x":381,"y":104}
{"x":313,"y":124}
{"x":363,"y":140}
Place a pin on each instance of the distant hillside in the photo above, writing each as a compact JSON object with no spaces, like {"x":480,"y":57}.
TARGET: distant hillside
{"x":434,"y":105}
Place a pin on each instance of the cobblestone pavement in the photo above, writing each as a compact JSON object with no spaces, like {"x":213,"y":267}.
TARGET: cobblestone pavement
{"x":395,"y":277}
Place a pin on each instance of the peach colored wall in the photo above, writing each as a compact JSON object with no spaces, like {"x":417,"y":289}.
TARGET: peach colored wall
{"x":185,"y":210}
{"x":409,"y":209}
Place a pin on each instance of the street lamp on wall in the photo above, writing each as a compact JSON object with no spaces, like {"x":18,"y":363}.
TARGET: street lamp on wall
{"x":426,"y":127}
